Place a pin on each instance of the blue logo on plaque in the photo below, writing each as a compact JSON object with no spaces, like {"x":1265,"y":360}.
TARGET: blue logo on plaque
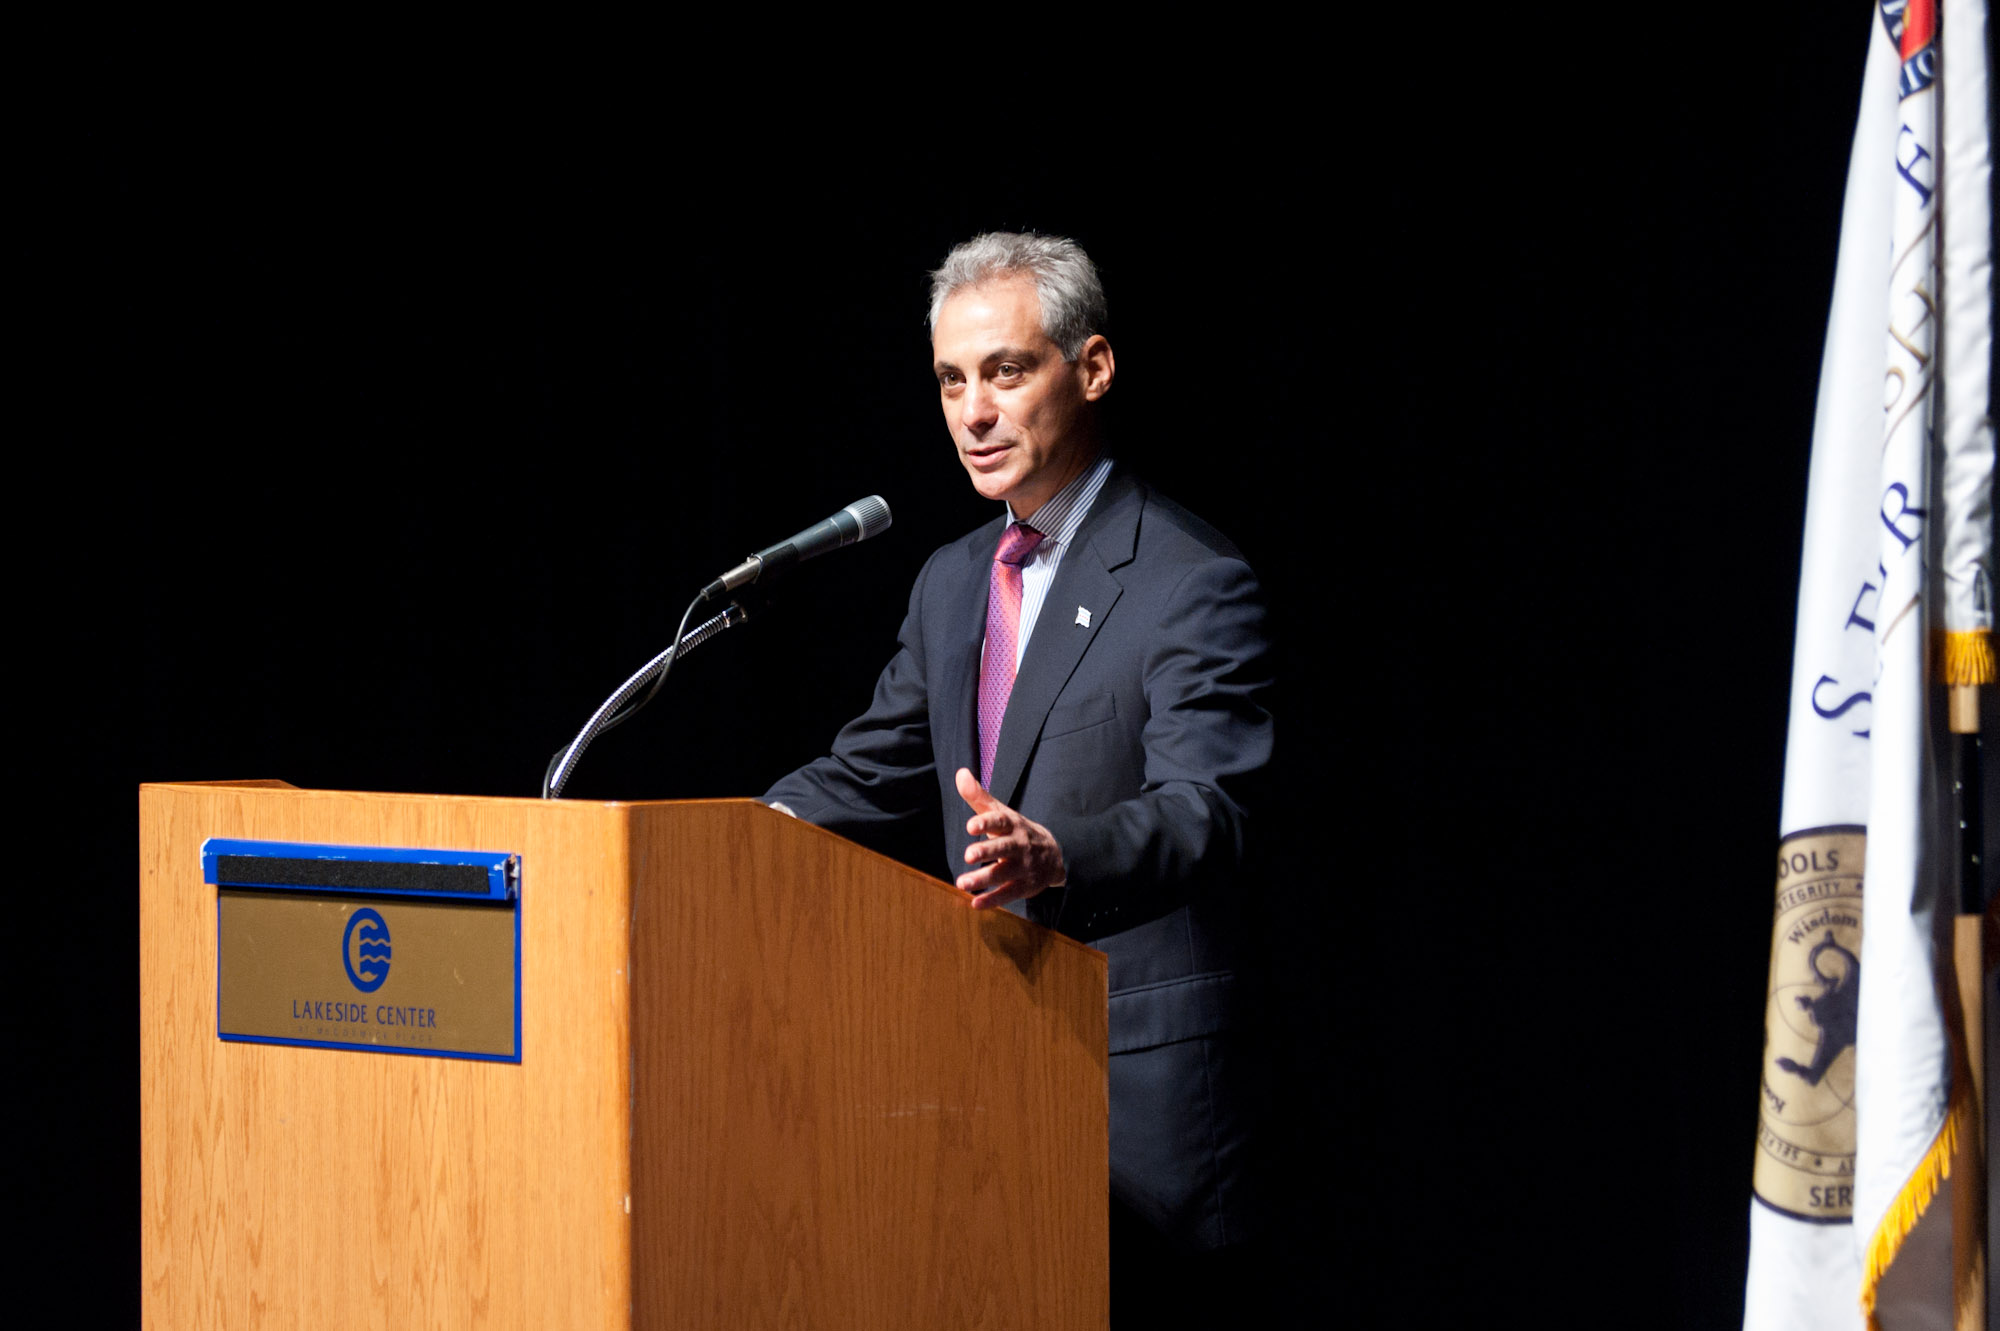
{"x":364,"y":950}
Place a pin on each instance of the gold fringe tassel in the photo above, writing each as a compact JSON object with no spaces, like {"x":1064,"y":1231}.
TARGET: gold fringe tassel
{"x":1966,"y":657}
{"x":1915,"y":1198}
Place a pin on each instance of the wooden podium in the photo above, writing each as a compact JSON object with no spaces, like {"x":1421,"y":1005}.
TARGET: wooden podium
{"x":766,"y":1079}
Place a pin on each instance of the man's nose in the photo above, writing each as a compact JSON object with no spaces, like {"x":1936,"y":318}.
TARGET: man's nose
{"x":977,"y":409}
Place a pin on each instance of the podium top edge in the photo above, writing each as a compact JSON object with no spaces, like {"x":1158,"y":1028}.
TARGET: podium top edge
{"x":275,"y":786}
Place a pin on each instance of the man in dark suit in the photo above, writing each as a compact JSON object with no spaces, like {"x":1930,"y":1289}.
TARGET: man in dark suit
{"x":1083,"y":684}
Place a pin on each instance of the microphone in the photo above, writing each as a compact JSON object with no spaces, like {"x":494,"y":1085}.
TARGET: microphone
{"x":857,"y":522}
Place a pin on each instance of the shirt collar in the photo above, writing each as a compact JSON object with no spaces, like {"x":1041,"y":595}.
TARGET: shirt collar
{"x":1059,"y":518}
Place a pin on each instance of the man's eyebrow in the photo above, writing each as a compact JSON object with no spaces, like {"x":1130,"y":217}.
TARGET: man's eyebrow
{"x":991,"y":358}
{"x":998,"y":354}
{"x":1011,"y":353}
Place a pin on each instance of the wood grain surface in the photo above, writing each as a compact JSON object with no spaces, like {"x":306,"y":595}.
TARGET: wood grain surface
{"x":312,"y":1188}
{"x":1969,"y":1221}
{"x":868,"y":1106}
{"x":768,"y":1080}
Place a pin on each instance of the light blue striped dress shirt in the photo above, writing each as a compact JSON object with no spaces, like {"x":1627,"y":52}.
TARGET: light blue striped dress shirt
{"x":1057,"y":521}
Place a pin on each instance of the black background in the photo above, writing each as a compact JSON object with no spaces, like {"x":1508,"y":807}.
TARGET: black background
{"x":391,"y":444}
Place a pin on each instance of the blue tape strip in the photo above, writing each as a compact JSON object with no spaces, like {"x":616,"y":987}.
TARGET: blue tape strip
{"x":373,"y":870}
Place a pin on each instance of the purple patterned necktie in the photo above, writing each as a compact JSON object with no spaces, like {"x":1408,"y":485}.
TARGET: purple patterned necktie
{"x":1003,"y":631}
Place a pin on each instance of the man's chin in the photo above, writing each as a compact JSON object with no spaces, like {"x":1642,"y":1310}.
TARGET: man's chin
{"x":994,"y":485}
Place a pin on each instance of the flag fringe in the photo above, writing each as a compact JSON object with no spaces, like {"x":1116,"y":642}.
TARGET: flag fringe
{"x":1915,"y":1197}
{"x":1967,"y":657}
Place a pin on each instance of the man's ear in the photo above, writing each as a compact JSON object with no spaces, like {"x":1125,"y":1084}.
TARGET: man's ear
{"x":1096,"y":367}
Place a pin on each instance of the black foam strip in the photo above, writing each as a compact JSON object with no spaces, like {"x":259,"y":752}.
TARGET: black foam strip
{"x":350,"y":875}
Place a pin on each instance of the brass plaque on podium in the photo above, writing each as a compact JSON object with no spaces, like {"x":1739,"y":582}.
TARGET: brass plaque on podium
{"x":411,"y":969}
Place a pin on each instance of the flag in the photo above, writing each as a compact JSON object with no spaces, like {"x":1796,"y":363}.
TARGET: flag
{"x":1966,"y":415}
{"x":1864,"y":1093}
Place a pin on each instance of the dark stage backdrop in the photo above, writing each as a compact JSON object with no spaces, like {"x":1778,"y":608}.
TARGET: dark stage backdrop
{"x":393,"y":452}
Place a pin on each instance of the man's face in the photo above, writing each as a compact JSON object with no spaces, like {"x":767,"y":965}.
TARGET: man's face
{"x":1015,"y":408}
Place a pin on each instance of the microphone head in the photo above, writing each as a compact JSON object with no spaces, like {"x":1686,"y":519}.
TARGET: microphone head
{"x":872,"y":514}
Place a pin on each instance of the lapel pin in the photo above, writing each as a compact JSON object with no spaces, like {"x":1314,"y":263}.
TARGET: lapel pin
{"x":1083,"y":616}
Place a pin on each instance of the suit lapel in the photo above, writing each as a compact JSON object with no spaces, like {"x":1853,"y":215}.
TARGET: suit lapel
{"x":1083,"y":581}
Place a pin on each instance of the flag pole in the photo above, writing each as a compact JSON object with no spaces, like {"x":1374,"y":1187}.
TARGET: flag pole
{"x":1965,"y":557}
{"x":1971,"y":956}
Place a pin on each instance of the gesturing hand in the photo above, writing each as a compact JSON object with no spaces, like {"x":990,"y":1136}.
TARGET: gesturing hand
{"x":1017,"y":859}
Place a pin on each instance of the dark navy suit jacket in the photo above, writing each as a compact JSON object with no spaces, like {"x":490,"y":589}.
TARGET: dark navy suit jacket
{"x":1139,"y":741}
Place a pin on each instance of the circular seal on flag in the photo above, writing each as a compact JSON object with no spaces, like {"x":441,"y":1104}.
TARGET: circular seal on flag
{"x":1805,"y":1129}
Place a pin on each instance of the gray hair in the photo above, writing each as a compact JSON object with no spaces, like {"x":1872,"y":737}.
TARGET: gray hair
{"x":1066,"y":282}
